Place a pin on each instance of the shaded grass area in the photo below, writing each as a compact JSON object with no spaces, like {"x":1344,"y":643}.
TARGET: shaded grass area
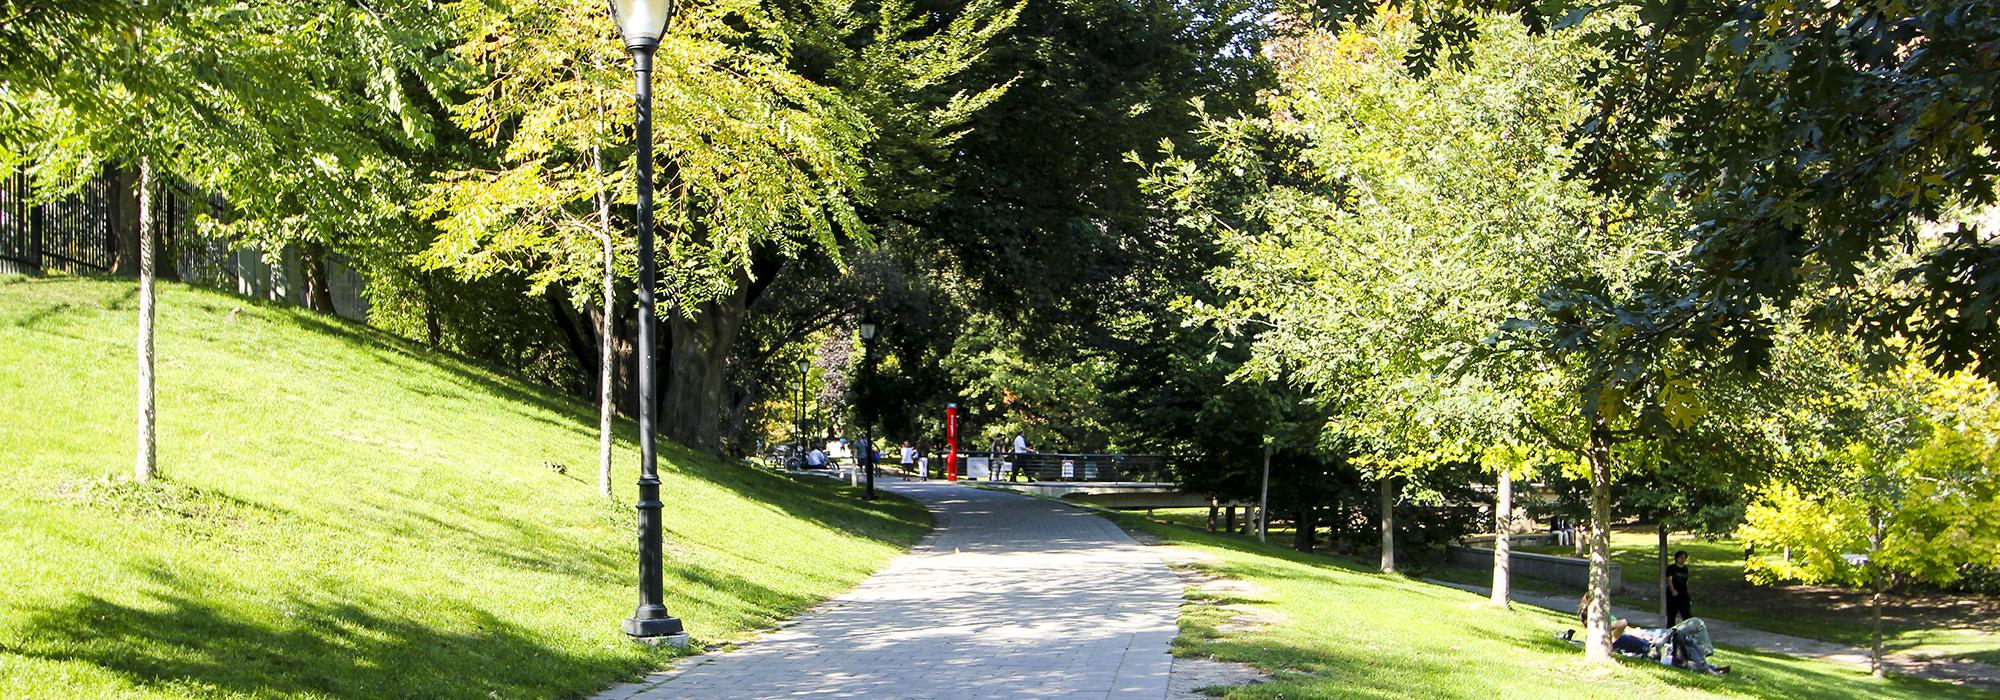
{"x":1922,"y":624}
{"x":1333,"y":627}
{"x":347,"y":515}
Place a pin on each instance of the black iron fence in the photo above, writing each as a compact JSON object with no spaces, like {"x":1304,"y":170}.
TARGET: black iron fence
{"x":73,"y":234}
{"x":88,"y":231}
{"x":1062,"y":466}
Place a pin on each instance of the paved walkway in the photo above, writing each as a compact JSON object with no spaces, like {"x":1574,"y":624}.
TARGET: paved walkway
{"x":1971,"y":673}
{"x":1012,"y":597}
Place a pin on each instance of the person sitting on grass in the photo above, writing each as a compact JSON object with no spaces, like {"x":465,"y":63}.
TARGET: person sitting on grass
{"x":1685,"y":645}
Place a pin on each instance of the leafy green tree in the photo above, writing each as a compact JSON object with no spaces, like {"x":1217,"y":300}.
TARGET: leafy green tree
{"x":1386,"y":224}
{"x":1805,"y":141}
{"x":769,"y":118}
{"x":277,"y":106}
{"x":1908,"y":488}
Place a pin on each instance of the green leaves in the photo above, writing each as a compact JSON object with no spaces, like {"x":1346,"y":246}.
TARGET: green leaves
{"x":1384,"y":224}
{"x":297,"y":113}
{"x":756,"y":153}
{"x":1908,"y":461}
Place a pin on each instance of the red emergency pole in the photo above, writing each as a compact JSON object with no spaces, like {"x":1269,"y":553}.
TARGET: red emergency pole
{"x":951,"y":442}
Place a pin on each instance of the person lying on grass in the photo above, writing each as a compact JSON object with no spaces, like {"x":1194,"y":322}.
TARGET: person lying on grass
{"x":1685,"y":645}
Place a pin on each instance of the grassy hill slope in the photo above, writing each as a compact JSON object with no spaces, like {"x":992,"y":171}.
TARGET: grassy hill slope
{"x":347,"y":515}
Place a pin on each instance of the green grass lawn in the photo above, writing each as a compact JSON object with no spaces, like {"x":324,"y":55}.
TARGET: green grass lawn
{"x":345,"y":515}
{"x":1926,"y":625}
{"x":1335,"y":628}
{"x":1931,"y":625}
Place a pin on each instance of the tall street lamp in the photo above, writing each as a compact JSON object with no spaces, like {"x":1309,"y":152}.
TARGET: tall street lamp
{"x":643,"y":22}
{"x":868,"y":402}
{"x":805,"y":367}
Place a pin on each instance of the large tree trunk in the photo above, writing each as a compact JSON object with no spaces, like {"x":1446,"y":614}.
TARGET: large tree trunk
{"x":574,"y":326}
{"x":692,"y":403}
{"x":1388,"y":487}
{"x":1302,"y":529}
{"x":313,"y":274}
{"x":433,"y":321}
{"x":146,"y":460}
{"x":1214,"y":509}
{"x":124,"y":196}
{"x":624,"y":353}
{"x":1597,"y":631}
{"x":737,"y":414}
{"x":1503,"y":545}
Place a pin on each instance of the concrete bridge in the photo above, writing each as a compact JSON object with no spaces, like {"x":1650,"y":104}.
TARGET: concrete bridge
{"x":1112,"y":494}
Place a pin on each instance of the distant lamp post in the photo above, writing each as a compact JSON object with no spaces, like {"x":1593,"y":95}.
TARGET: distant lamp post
{"x":868,"y":402}
{"x":805,"y":369}
{"x":643,"y":22}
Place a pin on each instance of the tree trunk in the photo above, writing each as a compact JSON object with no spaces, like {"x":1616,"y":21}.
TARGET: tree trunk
{"x":564,"y":316}
{"x":692,"y":402}
{"x":433,"y":321}
{"x":1597,"y":630}
{"x":1302,"y":529}
{"x":124,"y":195}
{"x":604,"y":335}
{"x":1663,"y":570}
{"x":1229,"y":520}
{"x":1213,"y":507}
{"x":313,"y":274}
{"x":1388,"y":488}
{"x":146,"y":460}
{"x":624,"y":353}
{"x":1503,"y":546}
{"x":1875,"y":566}
{"x":737,"y":414}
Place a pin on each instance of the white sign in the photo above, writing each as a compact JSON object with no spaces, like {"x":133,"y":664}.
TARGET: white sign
{"x":976,"y":467}
{"x":1069,"y":469}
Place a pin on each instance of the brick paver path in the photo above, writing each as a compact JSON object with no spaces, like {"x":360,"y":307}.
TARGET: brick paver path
{"x":1014,"y":597}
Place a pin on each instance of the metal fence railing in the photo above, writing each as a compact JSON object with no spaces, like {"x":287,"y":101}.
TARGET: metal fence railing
{"x":80,"y":233}
{"x":72,"y":234}
{"x":1063,"y":466}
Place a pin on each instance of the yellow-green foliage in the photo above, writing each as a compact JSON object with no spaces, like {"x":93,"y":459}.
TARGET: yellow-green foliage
{"x":1910,"y":479}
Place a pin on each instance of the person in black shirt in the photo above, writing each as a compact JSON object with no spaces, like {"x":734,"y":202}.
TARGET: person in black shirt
{"x":1678,"y":607}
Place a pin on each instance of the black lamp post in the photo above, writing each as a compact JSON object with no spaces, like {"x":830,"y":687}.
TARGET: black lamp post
{"x":805,"y":367}
{"x":868,"y":401}
{"x":643,"y":22}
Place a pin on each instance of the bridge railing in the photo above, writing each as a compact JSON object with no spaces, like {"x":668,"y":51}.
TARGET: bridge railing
{"x":1064,"y":466}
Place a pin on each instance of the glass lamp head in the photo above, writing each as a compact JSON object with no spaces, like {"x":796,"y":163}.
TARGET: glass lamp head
{"x":642,"y":22}
{"x":867,"y":330}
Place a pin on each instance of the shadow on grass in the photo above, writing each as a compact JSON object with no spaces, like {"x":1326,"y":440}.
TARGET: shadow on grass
{"x":177,"y":641}
{"x":1425,"y":660}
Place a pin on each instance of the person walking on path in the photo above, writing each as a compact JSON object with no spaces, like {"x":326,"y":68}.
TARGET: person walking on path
{"x":909,"y":460}
{"x":1679,"y":605}
{"x":1020,"y":448}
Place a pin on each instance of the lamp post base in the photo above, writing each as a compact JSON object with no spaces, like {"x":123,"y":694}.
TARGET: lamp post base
{"x":657,"y":631}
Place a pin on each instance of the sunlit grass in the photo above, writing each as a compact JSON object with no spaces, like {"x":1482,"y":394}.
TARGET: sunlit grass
{"x":1715,"y":571}
{"x":346,"y":515}
{"x":1335,"y":628}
